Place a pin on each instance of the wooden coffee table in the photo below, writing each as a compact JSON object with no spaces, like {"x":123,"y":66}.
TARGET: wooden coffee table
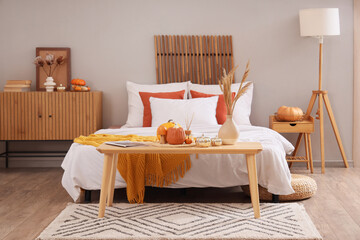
{"x":110,"y":166}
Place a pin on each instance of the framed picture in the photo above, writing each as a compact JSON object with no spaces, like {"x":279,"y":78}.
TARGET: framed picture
{"x":62,"y":73}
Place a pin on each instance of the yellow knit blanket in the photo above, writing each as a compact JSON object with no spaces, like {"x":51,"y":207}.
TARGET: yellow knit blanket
{"x":139,"y":170}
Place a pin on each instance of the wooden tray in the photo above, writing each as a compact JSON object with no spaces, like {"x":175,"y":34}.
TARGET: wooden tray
{"x":166,"y":145}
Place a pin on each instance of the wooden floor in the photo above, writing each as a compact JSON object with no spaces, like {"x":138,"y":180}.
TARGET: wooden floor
{"x":31,"y":198}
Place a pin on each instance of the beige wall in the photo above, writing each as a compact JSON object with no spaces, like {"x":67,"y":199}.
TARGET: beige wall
{"x":112,"y":42}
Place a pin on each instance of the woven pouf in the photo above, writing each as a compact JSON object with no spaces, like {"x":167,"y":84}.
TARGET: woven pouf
{"x":303,"y":186}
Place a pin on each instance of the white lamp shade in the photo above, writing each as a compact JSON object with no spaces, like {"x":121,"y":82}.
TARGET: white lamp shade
{"x":319,"y":22}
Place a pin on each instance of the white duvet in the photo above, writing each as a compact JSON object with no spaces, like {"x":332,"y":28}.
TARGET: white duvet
{"x":83,"y":164}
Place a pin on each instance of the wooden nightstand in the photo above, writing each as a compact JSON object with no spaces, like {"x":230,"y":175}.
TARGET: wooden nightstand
{"x":304,"y":128}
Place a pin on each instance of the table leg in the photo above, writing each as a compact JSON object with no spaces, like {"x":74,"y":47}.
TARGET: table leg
{"x":105,"y":184}
{"x":253,"y":183}
{"x":298,"y":141}
{"x":112,"y":180}
{"x":307,"y":151}
{"x":310,"y":154}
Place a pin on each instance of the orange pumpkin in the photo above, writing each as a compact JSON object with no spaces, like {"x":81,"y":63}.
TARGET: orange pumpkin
{"x":81,"y":82}
{"x":188,"y":141}
{"x":77,"y":88}
{"x":289,"y":114}
{"x":167,"y":125}
{"x":78,"y":81}
{"x":175,"y":135}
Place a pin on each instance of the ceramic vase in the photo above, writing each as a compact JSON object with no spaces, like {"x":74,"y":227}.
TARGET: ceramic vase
{"x":49,"y":84}
{"x":229,"y":132}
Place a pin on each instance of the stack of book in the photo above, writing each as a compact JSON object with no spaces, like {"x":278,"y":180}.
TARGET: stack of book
{"x":17,"y":86}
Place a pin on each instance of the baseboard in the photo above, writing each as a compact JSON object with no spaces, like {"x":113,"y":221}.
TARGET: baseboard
{"x":328,"y":163}
{"x":32,"y":162}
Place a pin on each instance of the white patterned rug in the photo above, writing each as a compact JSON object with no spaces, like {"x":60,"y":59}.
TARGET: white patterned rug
{"x":182,"y":221}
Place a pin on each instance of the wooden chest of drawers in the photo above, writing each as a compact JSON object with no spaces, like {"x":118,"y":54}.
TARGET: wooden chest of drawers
{"x":304,"y":126}
{"x":49,"y":116}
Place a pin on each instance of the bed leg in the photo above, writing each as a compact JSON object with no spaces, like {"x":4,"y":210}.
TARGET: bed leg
{"x":183,"y":191}
{"x":275,"y":198}
{"x":87,"y":196}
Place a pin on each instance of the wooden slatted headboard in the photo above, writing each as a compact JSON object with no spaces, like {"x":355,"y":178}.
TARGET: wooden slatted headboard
{"x":199,"y":59}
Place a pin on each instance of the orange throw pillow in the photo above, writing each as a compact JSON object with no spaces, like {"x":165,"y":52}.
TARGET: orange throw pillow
{"x":145,"y":98}
{"x":220,"y":108}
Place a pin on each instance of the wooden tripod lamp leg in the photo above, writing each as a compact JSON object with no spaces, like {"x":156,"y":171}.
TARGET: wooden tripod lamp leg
{"x":311,"y":104}
{"x":321,"y":118}
{"x":335,"y":128}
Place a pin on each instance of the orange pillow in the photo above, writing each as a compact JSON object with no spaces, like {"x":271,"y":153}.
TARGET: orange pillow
{"x":220,"y":108}
{"x":145,"y":98}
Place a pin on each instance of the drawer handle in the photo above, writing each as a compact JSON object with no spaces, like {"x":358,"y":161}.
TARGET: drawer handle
{"x":292,"y":124}
{"x":40,"y":116}
{"x":50,"y":115}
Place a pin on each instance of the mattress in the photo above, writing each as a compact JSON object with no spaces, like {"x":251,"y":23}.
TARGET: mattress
{"x":83,"y":164}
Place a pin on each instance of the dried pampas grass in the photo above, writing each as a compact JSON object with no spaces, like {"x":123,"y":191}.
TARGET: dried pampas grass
{"x":225,"y":85}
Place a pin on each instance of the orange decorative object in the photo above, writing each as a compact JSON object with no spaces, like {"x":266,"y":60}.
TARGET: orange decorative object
{"x":289,"y":114}
{"x":175,"y":135}
{"x":77,"y":88}
{"x":81,"y":82}
{"x":77,"y":81}
{"x":188,"y":141}
{"x":167,"y":125}
{"x":161,"y":130}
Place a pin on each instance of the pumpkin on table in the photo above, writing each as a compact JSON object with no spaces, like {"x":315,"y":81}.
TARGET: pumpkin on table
{"x":289,"y":114}
{"x":163,"y":132}
{"x":175,"y":135}
{"x":167,"y":125}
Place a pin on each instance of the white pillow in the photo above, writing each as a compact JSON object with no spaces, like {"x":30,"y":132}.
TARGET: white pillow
{"x":242,"y":111}
{"x":204,"y":110}
{"x":135,"y":105}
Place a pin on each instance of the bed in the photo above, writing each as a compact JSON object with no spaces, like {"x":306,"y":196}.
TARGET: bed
{"x":180,"y":58}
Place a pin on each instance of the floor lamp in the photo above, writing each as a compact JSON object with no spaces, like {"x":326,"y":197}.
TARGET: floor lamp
{"x":320,"y":22}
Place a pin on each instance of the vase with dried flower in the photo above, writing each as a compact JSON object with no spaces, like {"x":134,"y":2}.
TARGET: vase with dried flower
{"x":49,"y":61}
{"x":229,"y":132}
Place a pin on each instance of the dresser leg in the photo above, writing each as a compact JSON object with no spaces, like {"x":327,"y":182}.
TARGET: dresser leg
{"x":6,"y":154}
{"x":87,"y":196}
{"x":275,"y":198}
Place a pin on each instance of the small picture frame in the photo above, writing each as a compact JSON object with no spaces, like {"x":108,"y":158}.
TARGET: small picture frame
{"x":62,"y":74}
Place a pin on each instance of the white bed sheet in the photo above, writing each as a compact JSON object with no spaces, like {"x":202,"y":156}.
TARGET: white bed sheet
{"x":83,"y":164}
